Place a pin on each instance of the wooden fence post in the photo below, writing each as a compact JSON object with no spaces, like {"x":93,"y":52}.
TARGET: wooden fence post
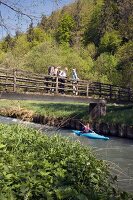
{"x":6,"y":82}
{"x":87,"y":90}
{"x":100,"y":89}
{"x":110,"y":92}
{"x":119,"y":94}
{"x":14,"y":80}
{"x":129,"y":94}
{"x":57,"y":81}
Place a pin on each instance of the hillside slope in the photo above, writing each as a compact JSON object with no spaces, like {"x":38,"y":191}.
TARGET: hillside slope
{"x":93,"y":36}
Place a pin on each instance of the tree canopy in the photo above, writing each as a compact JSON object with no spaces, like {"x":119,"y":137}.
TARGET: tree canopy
{"x":94,"y":36}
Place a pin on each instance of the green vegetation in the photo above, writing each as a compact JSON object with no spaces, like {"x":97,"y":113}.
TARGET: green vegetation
{"x":93,"y":36}
{"x":35,"y":166}
{"x":48,"y":109}
{"x":65,"y":26}
{"x":122,"y":114}
{"x":96,"y":38}
{"x":26,"y":109}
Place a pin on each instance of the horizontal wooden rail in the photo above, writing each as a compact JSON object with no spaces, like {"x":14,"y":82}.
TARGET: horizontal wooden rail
{"x":22,"y":81}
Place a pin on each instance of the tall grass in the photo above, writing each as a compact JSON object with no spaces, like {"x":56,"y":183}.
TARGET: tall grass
{"x":122,"y":114}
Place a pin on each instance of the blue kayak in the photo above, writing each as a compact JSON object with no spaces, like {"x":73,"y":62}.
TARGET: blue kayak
{"x":91,"y":135}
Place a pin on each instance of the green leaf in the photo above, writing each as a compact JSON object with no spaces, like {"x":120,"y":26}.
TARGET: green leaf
{"x":2,"y":146}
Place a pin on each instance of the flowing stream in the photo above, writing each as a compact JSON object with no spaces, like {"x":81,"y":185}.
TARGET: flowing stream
{"x":118,"y":152}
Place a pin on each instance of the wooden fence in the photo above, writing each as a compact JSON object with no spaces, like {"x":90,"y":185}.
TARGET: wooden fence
{"x":23,"y":81}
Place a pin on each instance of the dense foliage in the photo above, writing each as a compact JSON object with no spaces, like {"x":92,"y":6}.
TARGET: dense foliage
{"x":94,"y":36}
{"x":35,"y":166}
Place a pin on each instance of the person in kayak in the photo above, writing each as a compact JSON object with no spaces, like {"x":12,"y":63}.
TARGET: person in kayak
{"x":86,"y":128}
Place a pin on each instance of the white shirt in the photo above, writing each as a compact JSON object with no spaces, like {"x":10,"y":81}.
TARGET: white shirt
{"x":63,"y":74}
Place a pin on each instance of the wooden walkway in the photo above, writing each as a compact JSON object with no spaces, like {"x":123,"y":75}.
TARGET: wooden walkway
{"x":18,"y":81}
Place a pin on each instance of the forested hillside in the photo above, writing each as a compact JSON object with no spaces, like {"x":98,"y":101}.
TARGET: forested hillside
{"x":93,"y":36}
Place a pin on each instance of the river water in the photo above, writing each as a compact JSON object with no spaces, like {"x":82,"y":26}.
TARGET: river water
{"x":118,"y":152}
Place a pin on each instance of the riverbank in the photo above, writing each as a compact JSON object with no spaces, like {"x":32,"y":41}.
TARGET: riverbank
{"x":117,"y":122}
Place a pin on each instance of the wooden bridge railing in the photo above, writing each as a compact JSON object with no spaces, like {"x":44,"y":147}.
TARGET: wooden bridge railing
{"x":23,"y":81}
{"x":111,"y":92}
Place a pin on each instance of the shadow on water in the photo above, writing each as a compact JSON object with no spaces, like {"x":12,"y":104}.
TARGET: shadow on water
{"x":118,"y":152}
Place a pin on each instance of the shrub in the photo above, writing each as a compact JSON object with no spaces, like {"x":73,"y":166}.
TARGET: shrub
{"x":35,"y":166}
{"x":106,"y":69}
{"x":125,"y":63}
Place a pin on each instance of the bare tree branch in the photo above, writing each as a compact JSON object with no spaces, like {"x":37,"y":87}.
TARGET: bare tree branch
{"x":16,"y":6}
{"x":17,"y":10}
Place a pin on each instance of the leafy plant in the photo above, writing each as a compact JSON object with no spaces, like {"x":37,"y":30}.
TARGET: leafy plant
{"x":36,"y":166}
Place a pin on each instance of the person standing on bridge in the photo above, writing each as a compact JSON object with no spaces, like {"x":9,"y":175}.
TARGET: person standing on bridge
{"x":56,"y":71}
{"x":49,"y":78}
{"x":55,"y":74}
{"x":75,"y":82}
{"x":51,"y":70}
{"x":63,"y":76}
